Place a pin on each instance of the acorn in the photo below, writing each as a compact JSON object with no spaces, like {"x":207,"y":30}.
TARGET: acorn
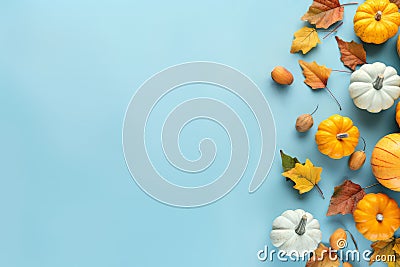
{"x":357,"y":159}
{"x":305,"y":122}
{"x":282,"y":76}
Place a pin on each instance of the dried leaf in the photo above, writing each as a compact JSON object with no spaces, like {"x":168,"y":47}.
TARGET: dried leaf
{"x":304,"y":176}
{"x":345,"y":198}
{"x":324,"y":13}
{"x":396,"y":246}
{"x":352,"y":53}
{"x":316,"y":75}
{"x":323,"y":257}
{"x":288,"y":162}
{"x":397,"y":2}
{"x":384,"y":251}
{"x":304,"y":40}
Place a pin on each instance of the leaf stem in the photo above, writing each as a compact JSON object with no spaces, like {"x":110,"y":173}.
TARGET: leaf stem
{"x":333,"y":30}
{"x":345,"y":71}
{"x":365,"y":144}
{"x":314,"y":110}
{"x":370,"y":186}
{"x":353,"y":239}
{"x":349,"y":4}
{"x":320,"y":191}
{"x":334,"y":98}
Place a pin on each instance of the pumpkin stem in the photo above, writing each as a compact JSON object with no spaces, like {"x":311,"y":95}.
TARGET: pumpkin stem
{"x":340,"y":136}
{"x":378,"y":15}
{"x":378,"y":84}
{"x":379,"y":217}
{"x":301,"y":228}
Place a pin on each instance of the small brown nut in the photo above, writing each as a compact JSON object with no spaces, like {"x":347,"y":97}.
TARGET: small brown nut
{"x":304,"y":123}
{"x":357,"y":160}
{"x":282,"y":76}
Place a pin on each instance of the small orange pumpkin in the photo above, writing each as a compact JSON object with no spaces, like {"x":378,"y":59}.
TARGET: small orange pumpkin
{"x":337,"y":137}
{"x":377,"y":217}
{"x":385,"y":161}
{"x":398,"y":113}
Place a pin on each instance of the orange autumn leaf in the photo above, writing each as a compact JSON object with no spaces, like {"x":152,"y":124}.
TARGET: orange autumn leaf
{"x":304,"y":40}
{"x":316,"y":75}
{"x":324,"y":13}
{"x":323,"y":257}
{"x":352,"y":53}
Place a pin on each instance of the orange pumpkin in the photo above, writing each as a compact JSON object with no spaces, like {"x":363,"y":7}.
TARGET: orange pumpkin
{"x":337,"y":137}
{"x":398,"y":112}
{"x":385,"y":161}
{"x":377,"y":217}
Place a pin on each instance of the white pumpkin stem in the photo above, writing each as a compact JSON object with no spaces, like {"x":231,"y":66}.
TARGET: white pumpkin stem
{"x":378,"y":84}
{"x":301,"y":228}
{"x":378,"y":15}
{"x":379,"y":217}
{"x":340,"y":136}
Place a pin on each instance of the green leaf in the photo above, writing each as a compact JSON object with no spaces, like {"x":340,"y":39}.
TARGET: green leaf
{"x":288,"y":162}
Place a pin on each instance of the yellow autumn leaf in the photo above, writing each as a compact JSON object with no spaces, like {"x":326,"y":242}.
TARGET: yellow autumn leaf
{"x":386,"y":251}
{"x":304,"y":40}
{"x":304,"y":176}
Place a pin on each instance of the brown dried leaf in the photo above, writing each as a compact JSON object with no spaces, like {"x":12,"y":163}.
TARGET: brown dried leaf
{"x":352,"y":53}
{"x":324,"y":13}
{"x":345,"y":198}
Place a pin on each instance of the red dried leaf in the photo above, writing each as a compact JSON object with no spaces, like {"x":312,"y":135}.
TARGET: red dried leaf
{"x":345,"y":198}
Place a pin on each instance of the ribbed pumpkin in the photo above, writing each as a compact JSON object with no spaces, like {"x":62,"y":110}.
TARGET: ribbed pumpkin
{"x":337,"y":137}
{"x":376,"y":21}
{"x":377,"y":217}
{"x":385,"y":161}
{"x":398,"y":114}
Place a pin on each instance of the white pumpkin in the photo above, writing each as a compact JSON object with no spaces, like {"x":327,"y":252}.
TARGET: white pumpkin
{"x":374,"y":87}
{"x":296,"y":232}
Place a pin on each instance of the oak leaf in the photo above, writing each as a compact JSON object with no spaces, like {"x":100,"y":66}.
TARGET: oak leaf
{"x":385,"y":251}
{"x":397,"y":2}
{"x":352,"y":53}
{"x":324,"y":13}
{"x":304,"y":176}
{"x":323,"y":257}
{"x":345,"y":198}
{"x":304,"y":40}
{"x":316,"y":75}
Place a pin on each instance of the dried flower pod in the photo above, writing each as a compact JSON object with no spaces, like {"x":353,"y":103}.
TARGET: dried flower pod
{"x":282,"y":76}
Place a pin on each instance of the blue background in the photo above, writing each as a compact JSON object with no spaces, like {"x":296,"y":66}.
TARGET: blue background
{"x":67,"y":72}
